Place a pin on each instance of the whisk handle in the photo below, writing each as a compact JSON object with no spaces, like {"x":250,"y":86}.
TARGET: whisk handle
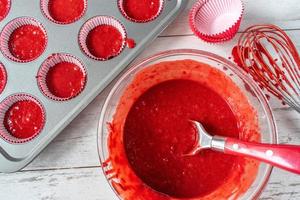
{"x":283,"y":156}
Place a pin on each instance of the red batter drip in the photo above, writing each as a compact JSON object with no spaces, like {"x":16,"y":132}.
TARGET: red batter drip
{"x":236,"y":57}
{"x":65,"y":80}
{"x":24,"y":119}
{"x":104,"y":41}
{"x":141,"y":10}
{"x":150,"y":131}
{"x":4,"y":8}
{"x":66,"y":11}
{"x":130,"y":43}
{"x":27,"y":42}
{"x":157,"y":132}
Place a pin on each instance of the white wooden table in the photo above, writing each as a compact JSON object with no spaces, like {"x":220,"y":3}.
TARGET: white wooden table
{"x":69,"y":167}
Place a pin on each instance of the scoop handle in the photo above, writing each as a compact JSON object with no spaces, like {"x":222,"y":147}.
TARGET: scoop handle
{"x":283,"y":156}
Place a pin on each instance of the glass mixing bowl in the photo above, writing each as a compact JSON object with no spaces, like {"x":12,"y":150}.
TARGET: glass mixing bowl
{"x":247,"y":86}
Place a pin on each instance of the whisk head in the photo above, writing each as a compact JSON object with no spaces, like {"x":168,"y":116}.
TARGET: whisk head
{"x":268,"y":54}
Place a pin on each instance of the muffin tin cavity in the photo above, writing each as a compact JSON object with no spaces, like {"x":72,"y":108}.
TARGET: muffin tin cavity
{"x":23,"y":39}
{"x":22,"y":118}
{"x":141,"y":11}
{"x":102,"y":38}
{"x":64,"y":11}
{"x":62,"y":77}
{"x":3,"y":77}
{"x":4,"y":8}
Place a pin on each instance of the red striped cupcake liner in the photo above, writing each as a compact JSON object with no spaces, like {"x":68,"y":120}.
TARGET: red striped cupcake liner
{"x":4,"y":81}
{"x":4,"y":107}
{"x":216,"y":20}
{"x":93,"y":23}
{"x":7,"y":10}
{"x":44,"y":4}
{"x":52,"y":61}
{"x":123,"y":11}
{"x":10,"y":28}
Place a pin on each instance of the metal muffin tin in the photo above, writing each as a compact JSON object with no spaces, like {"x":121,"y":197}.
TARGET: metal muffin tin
{"x":21,"y":77}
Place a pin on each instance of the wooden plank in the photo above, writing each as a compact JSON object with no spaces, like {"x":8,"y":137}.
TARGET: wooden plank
{"x":90,"y":184}
{"x":282,"y":186}
{"x":285,"y":14}
{"x":75,"y":184}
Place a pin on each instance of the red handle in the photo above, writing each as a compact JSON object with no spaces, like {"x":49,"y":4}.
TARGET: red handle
{"x":284,"y":156}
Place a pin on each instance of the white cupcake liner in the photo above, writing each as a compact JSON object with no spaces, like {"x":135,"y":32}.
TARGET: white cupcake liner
{"x":10,"y":28}
{"x":7,"y":11}
{"x":52,"y":61}
{"x":3,"y":71}
{"x":44,"y":4}
{"x":4,"y":107}
{"x":121,"y":7}
{"x":216,"y":20}
{"x":93,"y":23}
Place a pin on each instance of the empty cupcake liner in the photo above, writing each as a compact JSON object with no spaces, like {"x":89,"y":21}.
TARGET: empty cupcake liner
{"x":52,"y":61}
{"x":216,"y":20}
{"x":93,"y":23}
{"x":123,"y":11}
{"x":4,"y":107}
{"x":45,"y":10}
{"x":7,"y":10}
{"x":3,"y":71}
{"x":9,"y":29}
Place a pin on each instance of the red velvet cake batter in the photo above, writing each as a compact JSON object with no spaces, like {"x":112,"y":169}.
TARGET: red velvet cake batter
{"x":24,"y":119}
{"x":27,"y":42}
{"x":151,"y":130}
{"x":130,"y":43}
{"x":66,"y":11}
{"x":4,"y":8}
{"x":104,"y":41}
{"x":157,"y":132}
{"x":65,"y":80}
{"x":141,"y":10}
{"x":3,"y":79}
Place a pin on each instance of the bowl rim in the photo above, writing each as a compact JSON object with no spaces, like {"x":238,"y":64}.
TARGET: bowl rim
{"x":191,"y":52}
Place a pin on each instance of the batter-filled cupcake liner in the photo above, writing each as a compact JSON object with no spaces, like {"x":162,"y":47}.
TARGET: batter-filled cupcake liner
{"x":51,"y":62}
{"x":3,"y":71}
{"x":5,"y":106}
{"x":123,"y":11}
{"x":93,"y":23}
{"x":216,"y":21}
{"x":10,"y":28}
{"x":7,"y":10}
{"x":45,"y":10}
